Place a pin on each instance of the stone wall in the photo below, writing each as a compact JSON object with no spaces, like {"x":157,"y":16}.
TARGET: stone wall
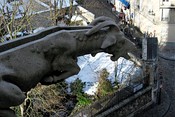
{"x":133,"y":107}
{"x":120,"y":104}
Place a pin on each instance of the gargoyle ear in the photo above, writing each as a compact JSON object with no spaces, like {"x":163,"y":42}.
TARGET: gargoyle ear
{"x":110,"y":40}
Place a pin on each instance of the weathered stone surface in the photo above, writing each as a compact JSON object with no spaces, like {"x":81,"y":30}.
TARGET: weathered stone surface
{"x":53,"y":58}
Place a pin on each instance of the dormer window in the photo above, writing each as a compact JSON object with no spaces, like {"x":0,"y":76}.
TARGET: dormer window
{"x":165,"y":0}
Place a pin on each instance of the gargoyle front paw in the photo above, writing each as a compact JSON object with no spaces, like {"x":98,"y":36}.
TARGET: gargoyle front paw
{"x":47,"y":80}
{"x":7,"y":113}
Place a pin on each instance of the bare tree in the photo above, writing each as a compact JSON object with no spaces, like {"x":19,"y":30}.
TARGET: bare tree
{"x":14,"y":17}
{"x":58,"y":11}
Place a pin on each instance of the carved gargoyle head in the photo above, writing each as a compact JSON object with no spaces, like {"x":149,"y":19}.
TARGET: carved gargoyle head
{"x":115,"y":42}
{"x":121,"y":48}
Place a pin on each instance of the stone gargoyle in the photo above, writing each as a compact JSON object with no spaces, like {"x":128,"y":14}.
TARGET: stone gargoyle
{"x":54,"y":58}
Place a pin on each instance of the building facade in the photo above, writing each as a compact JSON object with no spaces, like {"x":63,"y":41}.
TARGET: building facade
{"x":155,"y":17}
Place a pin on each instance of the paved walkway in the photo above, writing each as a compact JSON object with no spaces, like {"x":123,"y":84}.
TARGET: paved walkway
{"x":168,"y":70}
{"x":167,"y":105}
{"x":159,"y":110}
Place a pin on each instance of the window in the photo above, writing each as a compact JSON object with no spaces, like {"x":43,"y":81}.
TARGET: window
{"x":165,"y":15}
{"x":165,"y":0}
{"x":168,"y":15}
{"x":138,"y":5}
{"x":171,"y":16}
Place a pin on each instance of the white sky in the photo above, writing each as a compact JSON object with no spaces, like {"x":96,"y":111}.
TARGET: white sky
{"x":91,"y":67}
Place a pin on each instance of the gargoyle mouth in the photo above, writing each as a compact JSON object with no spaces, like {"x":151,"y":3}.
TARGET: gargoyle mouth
{"x":113,"y":58}
{"x":116,"y":57}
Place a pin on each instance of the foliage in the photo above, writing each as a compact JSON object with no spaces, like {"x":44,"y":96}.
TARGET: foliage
{"x":49,"y":100}
{"x":54,"y":100}
{"x":80,"y":1}
{"x":17,"y":110}
{"x":77,"y":87}
{"x":105,"y":87}
{"x":83,"y":100}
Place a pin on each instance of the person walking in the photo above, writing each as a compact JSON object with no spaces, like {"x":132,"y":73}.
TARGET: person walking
{"x":122,"y":16}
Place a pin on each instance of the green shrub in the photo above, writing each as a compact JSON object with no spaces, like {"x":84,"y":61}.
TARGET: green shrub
{"x":77,"y":89}
{"x":77,"y":86}
{"x":83,"y":100}
{"x":105,"y":86}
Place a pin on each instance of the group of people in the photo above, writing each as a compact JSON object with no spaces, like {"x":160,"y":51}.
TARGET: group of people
{"x":124,"y":16}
